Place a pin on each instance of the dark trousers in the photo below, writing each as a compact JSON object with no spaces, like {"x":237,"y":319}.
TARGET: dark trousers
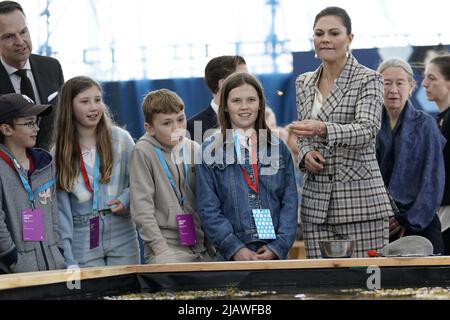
{"x":432,"y":233}
{"x":446,"y":238}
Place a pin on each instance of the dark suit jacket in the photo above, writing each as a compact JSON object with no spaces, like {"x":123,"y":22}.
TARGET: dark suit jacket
{"x":208,"y":119}
{"x":48,"y":75}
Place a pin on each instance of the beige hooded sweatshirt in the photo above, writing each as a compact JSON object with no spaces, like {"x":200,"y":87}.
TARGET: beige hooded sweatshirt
{"x":154,"y":205}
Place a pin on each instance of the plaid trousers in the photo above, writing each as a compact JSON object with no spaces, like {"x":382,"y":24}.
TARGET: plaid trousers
{"x":369,"y":235}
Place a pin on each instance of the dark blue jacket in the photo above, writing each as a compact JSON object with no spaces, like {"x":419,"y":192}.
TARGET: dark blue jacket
{"x":412,"y":164}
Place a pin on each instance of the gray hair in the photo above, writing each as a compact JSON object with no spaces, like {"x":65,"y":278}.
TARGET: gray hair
{"x":398,"y":63}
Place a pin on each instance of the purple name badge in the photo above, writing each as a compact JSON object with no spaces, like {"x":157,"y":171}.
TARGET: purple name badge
{"x":186,"y":229}
{"x":33,"y":224}
{"x":94,"y":231}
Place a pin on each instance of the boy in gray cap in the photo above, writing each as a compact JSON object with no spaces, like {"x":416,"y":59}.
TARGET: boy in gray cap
{"x":29,"y":236}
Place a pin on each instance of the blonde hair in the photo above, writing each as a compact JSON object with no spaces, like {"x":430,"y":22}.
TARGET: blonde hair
{"x":67,"y":157}
{"x":161,"y":101}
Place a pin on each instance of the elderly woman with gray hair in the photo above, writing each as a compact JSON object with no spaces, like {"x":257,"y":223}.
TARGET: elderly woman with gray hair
{"x":409,"y":152}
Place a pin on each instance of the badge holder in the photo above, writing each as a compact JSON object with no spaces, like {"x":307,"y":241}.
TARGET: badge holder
{"x":264,"y":224}
{"x":186,"y":229}
{"x":94,"y":232}
{"x":33,"y":224}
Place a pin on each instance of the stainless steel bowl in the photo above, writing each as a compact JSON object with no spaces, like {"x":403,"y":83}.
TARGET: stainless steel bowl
{"x":336,"y":248}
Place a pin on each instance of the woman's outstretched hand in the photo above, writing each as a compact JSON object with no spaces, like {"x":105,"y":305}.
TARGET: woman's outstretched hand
{"x":309,"y":128}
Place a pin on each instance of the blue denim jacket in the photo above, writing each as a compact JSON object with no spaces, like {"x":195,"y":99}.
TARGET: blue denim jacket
{"x":225,"y":201}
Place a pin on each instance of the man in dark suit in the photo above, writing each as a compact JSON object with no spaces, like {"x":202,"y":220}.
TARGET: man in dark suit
{"x":216,"y":71}
{"x":36,"y":76}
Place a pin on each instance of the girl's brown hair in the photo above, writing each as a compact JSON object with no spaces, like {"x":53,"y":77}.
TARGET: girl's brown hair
{"x":67,"y":158}
{"x":233,"y":81}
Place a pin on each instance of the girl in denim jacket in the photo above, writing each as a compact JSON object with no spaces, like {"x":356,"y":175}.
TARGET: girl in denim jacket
{"x":91,"y":157}
{"x":246,"y":191}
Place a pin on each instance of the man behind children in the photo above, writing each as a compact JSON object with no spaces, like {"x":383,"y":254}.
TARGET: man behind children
{"x":216,"y":71}
{"x":33,"y":75}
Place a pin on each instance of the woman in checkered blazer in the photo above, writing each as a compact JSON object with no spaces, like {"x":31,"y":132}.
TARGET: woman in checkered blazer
{"x":339,"y":108}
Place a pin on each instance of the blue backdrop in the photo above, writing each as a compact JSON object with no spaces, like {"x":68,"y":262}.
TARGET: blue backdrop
{"x":125,"y":98}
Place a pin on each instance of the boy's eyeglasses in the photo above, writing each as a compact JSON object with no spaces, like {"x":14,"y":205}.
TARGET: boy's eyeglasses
{"x":30,"y":124}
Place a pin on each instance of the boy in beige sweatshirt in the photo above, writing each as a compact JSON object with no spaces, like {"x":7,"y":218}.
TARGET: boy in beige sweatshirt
{"x":162,"y":184}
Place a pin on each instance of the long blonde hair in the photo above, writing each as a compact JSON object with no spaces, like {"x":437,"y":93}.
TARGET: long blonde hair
{"x":66,"y":141}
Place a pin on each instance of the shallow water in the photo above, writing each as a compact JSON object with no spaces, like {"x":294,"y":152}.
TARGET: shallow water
{"x":435,"y":293}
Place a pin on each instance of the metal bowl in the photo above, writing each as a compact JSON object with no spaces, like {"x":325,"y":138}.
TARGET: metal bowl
{"x":336,"y":248}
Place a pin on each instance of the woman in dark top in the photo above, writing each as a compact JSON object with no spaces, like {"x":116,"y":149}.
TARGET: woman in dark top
{"x":437,"y":86}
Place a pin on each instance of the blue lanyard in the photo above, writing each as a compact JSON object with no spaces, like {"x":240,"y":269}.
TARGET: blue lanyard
{"x":163,"y":162}
{"x":27,"y":187}
{"x":94,"y":189}
{"x":237,"y":147}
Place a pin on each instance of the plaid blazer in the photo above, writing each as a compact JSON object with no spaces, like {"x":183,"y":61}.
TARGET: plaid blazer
{"x":350,"y":187}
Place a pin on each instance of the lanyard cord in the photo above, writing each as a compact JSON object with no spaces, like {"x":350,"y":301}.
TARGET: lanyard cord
{"x":163,"y":162}
{"x":252,"y":185}
{"x":25,"y":183}
{"x":95,"y":188}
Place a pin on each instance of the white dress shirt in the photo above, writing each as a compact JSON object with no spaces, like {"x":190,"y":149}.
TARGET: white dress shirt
{"x":15,"y":79}
{"x":215,"y":107}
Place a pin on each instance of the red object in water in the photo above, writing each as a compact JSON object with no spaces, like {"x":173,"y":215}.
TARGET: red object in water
{"x":372,"y":253}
